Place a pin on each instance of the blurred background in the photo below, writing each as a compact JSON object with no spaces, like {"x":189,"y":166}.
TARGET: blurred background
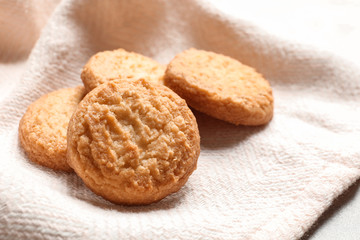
{"x":328,"y":25}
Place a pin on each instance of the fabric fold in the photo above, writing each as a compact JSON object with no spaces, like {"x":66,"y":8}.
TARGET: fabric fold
{"x":267,"y":182}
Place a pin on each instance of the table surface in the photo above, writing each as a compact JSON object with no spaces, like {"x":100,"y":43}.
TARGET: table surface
{"x":341,"y":220}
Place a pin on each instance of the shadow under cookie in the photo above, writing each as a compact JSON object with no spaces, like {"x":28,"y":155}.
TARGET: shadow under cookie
{"x":78,"y":190}
{"x":217,"y":134}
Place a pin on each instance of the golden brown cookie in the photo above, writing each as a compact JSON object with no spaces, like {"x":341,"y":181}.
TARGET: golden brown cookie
{"x":133,"y":142}
{"x":108,"y":65}
{"x":221,"y":87}
{"x":43,"y":128}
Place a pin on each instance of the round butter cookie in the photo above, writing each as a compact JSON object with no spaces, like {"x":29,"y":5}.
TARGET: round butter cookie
{"x":120,"y":64}
{"x":221,"y":87}
{"x":133,"y":142}
{"x":43,"y":128}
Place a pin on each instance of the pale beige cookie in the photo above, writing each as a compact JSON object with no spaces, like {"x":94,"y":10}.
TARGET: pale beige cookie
{"x":43,"y":128}
{"x":221,"y":87}
{"x":133,"y":142}
{"x":108,"y":65}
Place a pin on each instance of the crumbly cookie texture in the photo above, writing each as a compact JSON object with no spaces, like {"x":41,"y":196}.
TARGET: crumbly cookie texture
{"x":133,"y":142}
{"x":43,"y":128}
{"x":221,"y":87}
{"x":108,"y":65}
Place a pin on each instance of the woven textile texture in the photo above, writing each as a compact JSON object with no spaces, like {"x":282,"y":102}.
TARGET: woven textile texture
{"x":267,"y":182}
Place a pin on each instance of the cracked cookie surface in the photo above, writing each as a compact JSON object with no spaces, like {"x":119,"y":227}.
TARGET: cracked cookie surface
{"x":108,"y":65}
{"x":133,"y":142}
{"x":221,"y":87}
{"x":42,"y":129}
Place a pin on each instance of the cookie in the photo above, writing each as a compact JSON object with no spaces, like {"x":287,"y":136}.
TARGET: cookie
{"x":43,"y":128}
{"x":133,"y":142}
{"x":221,"y":87}
{"x":108,"y":65}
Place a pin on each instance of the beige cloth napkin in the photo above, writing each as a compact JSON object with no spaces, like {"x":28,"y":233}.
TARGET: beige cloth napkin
{"x":268,"y":182}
